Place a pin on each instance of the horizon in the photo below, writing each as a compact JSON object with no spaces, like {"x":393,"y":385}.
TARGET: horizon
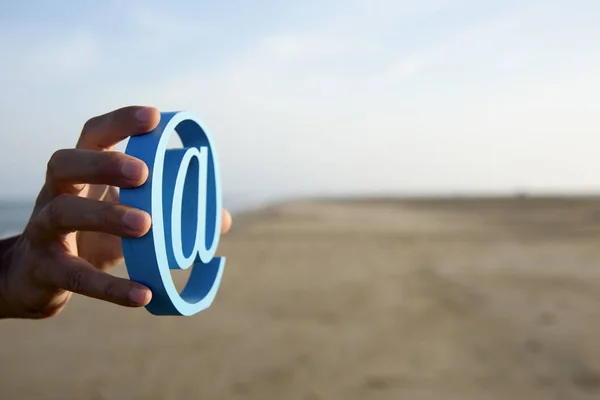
{"x":389,"y":195}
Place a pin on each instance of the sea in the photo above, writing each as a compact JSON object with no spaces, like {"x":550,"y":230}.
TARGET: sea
{"x":14,"y":214}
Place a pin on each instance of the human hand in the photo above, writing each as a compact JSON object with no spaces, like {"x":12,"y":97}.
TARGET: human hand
{"x":74,"y":233}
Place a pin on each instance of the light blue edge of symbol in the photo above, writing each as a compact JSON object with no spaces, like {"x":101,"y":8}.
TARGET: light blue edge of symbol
{"x":146,"y":258}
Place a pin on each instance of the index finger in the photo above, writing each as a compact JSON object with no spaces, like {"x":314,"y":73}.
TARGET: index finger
{"x":104,"y":131}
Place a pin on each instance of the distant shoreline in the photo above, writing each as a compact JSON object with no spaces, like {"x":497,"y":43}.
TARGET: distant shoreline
{"x":239,"y":205}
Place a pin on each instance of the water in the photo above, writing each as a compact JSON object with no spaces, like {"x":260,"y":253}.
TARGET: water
{"x":15,"y":214}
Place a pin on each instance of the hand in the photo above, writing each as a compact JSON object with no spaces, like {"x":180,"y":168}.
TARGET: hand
{"x":74,"y":233}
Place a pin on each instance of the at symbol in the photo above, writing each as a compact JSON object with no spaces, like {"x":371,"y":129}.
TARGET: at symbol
{"x":183,"y":196}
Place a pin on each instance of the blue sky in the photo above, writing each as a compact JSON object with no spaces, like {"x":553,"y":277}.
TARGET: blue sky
{"x":319,"y":97}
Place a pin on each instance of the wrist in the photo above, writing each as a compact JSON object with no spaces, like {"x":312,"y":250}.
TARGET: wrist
{"x":6,"y":254}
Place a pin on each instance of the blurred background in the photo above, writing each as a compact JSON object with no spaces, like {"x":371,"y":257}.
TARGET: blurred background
{"x":413,"y":186}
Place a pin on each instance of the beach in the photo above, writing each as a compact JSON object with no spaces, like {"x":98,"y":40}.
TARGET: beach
{"x":457,"y":298}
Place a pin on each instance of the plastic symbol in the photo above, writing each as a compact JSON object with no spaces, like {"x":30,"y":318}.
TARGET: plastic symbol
{"x":183,"y":197}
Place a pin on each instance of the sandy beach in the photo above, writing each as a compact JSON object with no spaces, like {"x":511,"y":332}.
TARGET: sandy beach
{"x":358,"y":299}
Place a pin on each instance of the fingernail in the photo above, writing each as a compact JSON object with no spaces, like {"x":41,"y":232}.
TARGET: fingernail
{"x":135,"y":220}
{"x":132,"y":170}
{"x":139,"y":296}
{"x":143,"y":115}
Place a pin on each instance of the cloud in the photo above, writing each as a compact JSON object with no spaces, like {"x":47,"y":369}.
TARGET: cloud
{"x":50,"y":59}
{"x":72,"y":55}
{"x":353,"y":96}
{"x":292,"y":112}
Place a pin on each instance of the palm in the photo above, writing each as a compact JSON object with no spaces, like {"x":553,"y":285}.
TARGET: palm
{"x":100,"y":249}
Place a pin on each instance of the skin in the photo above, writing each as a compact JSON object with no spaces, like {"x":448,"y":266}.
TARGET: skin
{"x":74,"y":234}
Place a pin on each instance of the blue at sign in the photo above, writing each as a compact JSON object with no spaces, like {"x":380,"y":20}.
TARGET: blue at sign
{"x":183,"y":197}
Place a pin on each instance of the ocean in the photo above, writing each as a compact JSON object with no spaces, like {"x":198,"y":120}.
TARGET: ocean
{"x":14,"y":214}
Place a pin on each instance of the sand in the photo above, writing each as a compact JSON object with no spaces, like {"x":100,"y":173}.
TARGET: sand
{"x":381,"y":299}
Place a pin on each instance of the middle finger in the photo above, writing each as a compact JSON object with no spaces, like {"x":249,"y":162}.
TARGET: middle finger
{"x":69,"y":168}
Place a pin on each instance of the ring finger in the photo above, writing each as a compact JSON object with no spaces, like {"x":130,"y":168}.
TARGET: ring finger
{"x":68,"y":213}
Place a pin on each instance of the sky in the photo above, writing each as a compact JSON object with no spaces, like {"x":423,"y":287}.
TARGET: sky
{"x":323,"y":97}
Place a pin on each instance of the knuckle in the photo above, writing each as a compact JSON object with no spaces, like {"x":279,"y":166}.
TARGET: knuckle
{"x":53,"y":165}
{"x":61,"y":201}
{"x":107,"y":215}
{"x":76,"y":281}
{"x":53,"y":213}
{"x":55,"y":210}
{"x":124,"y":117}
{"x":90,"y":125}
{"x":37,"y":273}
{"x":31,"y":229}
{"x":108,"y":161}
{"x":118,"y":115}
{"x":108,"y":291}
{"x":124,"y":113}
